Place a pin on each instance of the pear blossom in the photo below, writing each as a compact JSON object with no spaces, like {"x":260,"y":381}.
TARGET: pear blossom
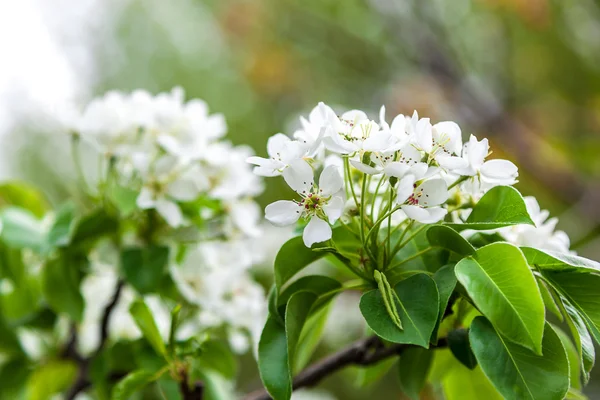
{"x":422,"y":202}
{"x":321,"y":205}
{"x":282,"y":152}
{"x":347,"y":134}
{"x":498,"y":172}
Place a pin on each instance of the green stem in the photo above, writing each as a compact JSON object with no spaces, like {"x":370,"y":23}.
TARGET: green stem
{"x":349,"y":174}
{"x":459,"y":180}
{"x":380,"y":220}
{"x":375,"y":197}
{"x":75,"y":140}
{"x":416,"y":255}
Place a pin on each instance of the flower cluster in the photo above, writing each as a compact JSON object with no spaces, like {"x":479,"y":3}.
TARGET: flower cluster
{"x":171,"y":152}
{"x":407,"y":169}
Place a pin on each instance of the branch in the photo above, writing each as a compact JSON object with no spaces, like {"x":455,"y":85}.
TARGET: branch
{"x":196,"y":392}
{"x":82,"y":381}
{"x":364,"y":352}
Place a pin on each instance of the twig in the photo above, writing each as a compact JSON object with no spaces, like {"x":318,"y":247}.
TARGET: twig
{"x":195,"y":392}
{"x":106,"y":316}
{"x":364,"y":352}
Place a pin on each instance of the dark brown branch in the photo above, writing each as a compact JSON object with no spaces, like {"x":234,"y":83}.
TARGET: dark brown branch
{"x":194,"y":392}
{"x":364,"y":352}
{"x":82,"y":381}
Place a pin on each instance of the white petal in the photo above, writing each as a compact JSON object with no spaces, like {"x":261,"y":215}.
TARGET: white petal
{"x":334,"y":142}
{"x":499,"y":169}
{"x":367,"y":169}
{"x":145,"y":199}
{"x":405,"y":189}
{"x":316,"y":231}
{"x":410,"y":155}
{"x":170,"y":212}
{"x":169,"y":143}
{"x":330,"y":180}
{"x":434,"y":192}
{"x":477,"y":152}
{"x":299,"y":176}
{"x":399,"y":127}
{"x":424,"y":215}
{"x":382,"y":122}
{"x":451,"y":163}
{"x":183,"y":190}
{"x":333,"y":209}
{"x":379,"y":141}
{"x":276,"y":144}
{"x":396,"y":169}
{"x":421,"y":170}
{"x":283,"y":212}
{"x":424,"y":135}
{"x":452,"y":131}
{"x":245,"y":215}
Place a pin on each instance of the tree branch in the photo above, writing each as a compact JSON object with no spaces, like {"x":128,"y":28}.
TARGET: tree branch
{"x":364,"y":352}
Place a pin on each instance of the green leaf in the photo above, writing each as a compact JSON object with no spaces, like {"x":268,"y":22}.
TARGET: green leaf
{"x":50,"y":379}
{"x":173,"y":329}
{"x":216,"y":387}
{"x":463,"y":384}
{"x":124,"y":199}
{"x":418,"y":309}
{"x":145,"y":322}
{"x":273,"y":360}
{"x":132,"y":383}
{"x":572,"y":356}
{"x":516,"y":372}
{"x":548,"y":298}
{"x":216,"y":356}
{"x":317,"y":284}
{"x":501,"y":206}
{"x":367,"y":375}
{"x":14,"y":375}
{"x":61,"y":280}
{"x":274,"y":310}
{"x":145,"y":268}
{"x":551,"y":260}
{"x":60,"y":232}
{"x":581,"y":290}
{"x":583,"y":341}
{"x":20,"y":229}
{"x":501,"y":285}
{"x":413,"y":368}
{"x":310,"y":337}
{"x":293,"y":257}
{"x":94,"y":226}
{"x":445,"y":281}
{"x":447,"y":238}
{"x":24,"y":196}
{"x":296,"y":315}
{"x":458,"y":341}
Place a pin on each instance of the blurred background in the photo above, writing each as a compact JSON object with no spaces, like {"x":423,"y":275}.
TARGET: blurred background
{"x":524,"y":73}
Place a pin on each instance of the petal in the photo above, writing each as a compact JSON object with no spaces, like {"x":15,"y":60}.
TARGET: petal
{"x":183,"y":190}
{"x":245,"y":215}
{"x":452,"y":131}
{"x":316,"y":231}
{"x":399,"y":126}
{"x":170,"y":212}
{"x":382,"y":122}
{"x":425,"y":215}
{"x":367,"y":169}
{"x":334,"y":142}
{"x":452,"y":163}
{"x":424,"y":134}
{"x":145,"y":199}
{"x":420,"y":170}
{"x":477,"y":152}
{"x":330,"y":180}
{"x":283,"y":212}
{"x":333,"y":209}
{"x":499,"y":169}
{"x":405,"y":189}
{"x":396,"y":169}
{"x":276,"y":144}
{"x":169,"y":143}
{"x":410,"y":155}
{"x":299,"y":176}
{"x":379,"y":141}
{"x":434,"y":192}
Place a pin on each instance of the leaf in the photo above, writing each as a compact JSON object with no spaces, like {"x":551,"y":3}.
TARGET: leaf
{"x":273,"y":360}
{"x":581,"y":291}
{"x":291,"y":259}
{"x":551,"y":260}
{"x":61,"y":280}
{"x":145,"y":322}
{"x":583,"y":341}
{"x":216,"y":387}
{"x":145,"y":268}
{"x":50,"y":379}
{"x":548,"y":298}
{"x":124,"y":199}
{"x":413,"y":369}
{"x":296,"y":314}
{"x":445,"y":281}
{"x":310,"y":337}
{"x":458,"y":341}
{"x":418,"y":309}
{"x":501,"y":206}
{"x":448,"y":238}
{"x":14,"y":375}
{"x":501,"y":285}
{"x":20,"y":229}
{"x":461,"y":383}
{"x":173,"y":328}
{"x":94,"y":226}
{"x":60,"y":232}
{"x":24,"y":196}
{"x":317,"y":284}
{"x":370,"y":374}
{"x":516,"y":372}
{"x":216,"y":356}
{"x":572,"y":356}
{"x":132,"y":383}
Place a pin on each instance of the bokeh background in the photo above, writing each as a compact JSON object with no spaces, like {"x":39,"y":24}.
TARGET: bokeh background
{"x":524,"y":73}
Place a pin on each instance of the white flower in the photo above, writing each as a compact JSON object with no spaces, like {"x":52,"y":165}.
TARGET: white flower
{"x":497,"y":172}
{"x":282,"y":152}
{"x":542,"y":236}
{"x":421,"y":202}
{"x":319,"y":204}
{"x":347,"y":134}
